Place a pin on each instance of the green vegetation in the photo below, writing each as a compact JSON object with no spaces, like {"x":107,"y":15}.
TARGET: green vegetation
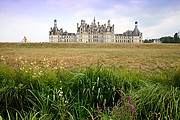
{"x":39,"y":88}
{"x":148,"y":41}
{"x":169,"y":39}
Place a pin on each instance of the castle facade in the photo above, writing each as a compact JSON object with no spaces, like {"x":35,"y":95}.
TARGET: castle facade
{"x":95,"y":32}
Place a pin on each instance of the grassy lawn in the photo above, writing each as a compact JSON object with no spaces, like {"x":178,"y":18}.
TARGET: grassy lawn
{"x":131,"y":56}
{"x":81,"y":81}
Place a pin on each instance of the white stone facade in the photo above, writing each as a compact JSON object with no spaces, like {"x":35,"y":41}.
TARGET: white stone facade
{"x":57,"y":35}
{"x":95,"y":33}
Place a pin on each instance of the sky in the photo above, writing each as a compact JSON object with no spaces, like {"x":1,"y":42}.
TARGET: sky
{"x":34,"y":18}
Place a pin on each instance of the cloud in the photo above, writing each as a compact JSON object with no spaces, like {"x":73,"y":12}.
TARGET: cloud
{"x":122,"y":20}
{"x":83,"y":13}
{"x":34,"y":18}
{"x":70,"y":3}
{"x":135,"y":1}
{"x":164,"y":22}
{"x":15,"y":27}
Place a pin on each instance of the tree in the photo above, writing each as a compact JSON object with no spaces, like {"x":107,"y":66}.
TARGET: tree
{"x":148,"y":41}
{"x":176,"y":38}
{"x":167,"y":39}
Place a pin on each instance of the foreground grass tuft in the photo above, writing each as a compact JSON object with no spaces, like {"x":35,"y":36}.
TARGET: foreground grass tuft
{"x":44,"y":90}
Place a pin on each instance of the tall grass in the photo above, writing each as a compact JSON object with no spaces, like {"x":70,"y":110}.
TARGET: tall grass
{"x":48,"y":91}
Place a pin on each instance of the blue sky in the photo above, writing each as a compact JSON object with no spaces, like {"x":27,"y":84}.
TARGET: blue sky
{"x":33,"y":18}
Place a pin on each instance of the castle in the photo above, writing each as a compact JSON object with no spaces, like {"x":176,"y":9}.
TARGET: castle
{"x":95,"y":33}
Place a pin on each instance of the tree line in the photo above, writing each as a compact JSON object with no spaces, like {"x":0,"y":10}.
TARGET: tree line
{"x":166,"y":39}
{"x":169,"y":39}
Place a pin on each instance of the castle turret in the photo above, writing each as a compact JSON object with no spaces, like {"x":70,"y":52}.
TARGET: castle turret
{"x":55,"y":23}
{"x":108,"y":23}
{"x":94,"y":22}
{"x":136,"y":24}
{"x":136,"y":32}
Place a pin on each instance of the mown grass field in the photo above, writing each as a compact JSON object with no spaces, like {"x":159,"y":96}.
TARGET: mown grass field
{"x":59,"y":81}
{"x":77,"y":55}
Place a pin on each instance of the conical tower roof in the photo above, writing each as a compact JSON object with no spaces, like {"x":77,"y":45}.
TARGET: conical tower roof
{"x":136,"y":31}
